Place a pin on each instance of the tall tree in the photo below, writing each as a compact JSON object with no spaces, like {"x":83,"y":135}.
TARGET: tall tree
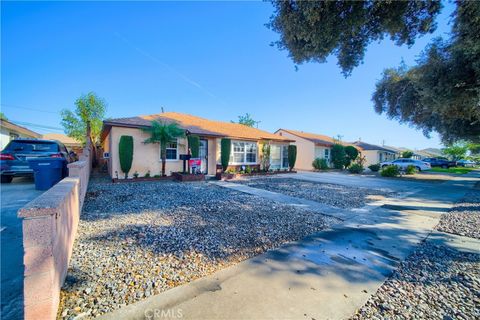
{"x":3,"y":116}
{"x":442,"y":92}
{"x":313,"y":30}
{"x":247,"y":120}
{"x":89,"y":108}
{"x":456,"y":151}
{"x":163,"y":133}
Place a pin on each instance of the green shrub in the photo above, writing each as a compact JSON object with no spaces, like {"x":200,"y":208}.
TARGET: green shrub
{"x":410,"y":170}
{"x":157,"y":176}
{"x":374,"y":167}
{"x":338,"y":156}
{"x":320,"y":164}
{"x":147,"y":175}
{"x":292,"y":156}
{"x":351,"y":154}
{"x":125,"y":152}
{"x":225,"y":147}
{"x":390,"y":171}
{"x":194,"y":145}
{"x":356,"y":168}
{"x":248,"y":169}
{"x":407,"y":154}
{"x":135,"y":174}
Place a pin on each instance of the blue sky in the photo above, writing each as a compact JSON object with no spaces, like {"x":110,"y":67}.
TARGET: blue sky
{"x":211,"y":59}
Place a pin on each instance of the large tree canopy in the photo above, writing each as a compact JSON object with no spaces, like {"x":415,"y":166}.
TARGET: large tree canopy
{"x":442,"y":92}
{"x":313,"y":30}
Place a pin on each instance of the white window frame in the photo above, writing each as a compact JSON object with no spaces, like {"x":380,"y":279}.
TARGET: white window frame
{"x":176,"y":149}
{"x":326,"y":154}
{"x":282,"y":148}
{"x":244,"y":162}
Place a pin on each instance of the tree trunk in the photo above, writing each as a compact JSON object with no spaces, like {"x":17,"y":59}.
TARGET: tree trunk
{"x":163,"y":153}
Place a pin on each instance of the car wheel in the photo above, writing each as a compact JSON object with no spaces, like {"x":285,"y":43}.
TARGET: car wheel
{"x":7,"y":179}
{"x":444,"y":166}
{"x":418,"y":169}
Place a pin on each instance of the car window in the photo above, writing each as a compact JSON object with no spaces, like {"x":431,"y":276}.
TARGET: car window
{"x":397,"y":161}
{"x":32,"y":146}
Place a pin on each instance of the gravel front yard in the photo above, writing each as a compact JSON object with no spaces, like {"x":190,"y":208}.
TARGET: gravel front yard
{"x":435,"y":282}
{"x":139,"y":239}
{"x":464,"y":218}
{"x":330,"y":194}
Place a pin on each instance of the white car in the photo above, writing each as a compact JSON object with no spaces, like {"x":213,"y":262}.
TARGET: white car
{"x":465,"y":163}
{"x":403,"y":163}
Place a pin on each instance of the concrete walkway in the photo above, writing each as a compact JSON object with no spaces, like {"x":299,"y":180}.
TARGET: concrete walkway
{"x":324,"y":276}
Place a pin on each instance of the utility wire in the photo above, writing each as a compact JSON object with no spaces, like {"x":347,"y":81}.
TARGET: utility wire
{"x":36,"y":125}
{"x":27,"y":108}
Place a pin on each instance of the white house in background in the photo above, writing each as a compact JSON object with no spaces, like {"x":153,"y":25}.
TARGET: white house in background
{"x":10,"y":131}
{"x":309,"y":146}
{"x":375,"y":154}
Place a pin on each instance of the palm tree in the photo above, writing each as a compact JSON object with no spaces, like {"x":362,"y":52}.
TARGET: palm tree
{"x":163,"y":133}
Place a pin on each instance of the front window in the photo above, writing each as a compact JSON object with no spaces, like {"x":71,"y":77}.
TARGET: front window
{"x":327,"y":154}
{"x":278,"y":157}
{"x":243,"y":152}
{"x":172,"y":151}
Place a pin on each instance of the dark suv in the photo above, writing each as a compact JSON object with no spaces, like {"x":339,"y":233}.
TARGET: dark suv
{"x":13,"y":159}
{"x":440,"y":162}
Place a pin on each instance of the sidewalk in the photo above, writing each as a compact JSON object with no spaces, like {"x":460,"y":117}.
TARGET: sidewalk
{"x":324,"y":276}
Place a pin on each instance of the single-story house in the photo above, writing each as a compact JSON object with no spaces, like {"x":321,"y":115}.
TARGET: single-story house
{"x":309,"y":146}
{"x":246,"y":144}
{"x":375,"y":154}
{"x":10,"y":131}
{"x":69,"y":142}
{"x":400,"y":151}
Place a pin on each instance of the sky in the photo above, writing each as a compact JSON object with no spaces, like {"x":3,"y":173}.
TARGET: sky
{"x":210,"y":59}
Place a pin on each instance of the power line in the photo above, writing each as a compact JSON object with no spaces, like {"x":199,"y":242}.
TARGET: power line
{"x":35,"y":125}
{"x":27,"y":108}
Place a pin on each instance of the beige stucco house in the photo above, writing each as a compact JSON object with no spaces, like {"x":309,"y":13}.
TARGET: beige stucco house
{"x":375,"y":154}
{"x":309,"y":146}
{"x":245,"y":151}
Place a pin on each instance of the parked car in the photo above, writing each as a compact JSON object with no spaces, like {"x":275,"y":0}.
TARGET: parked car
{"x":403,"y":163}
{"x":13,"y":159}
{"x":465,"y":163}
{"x":440,"y":162}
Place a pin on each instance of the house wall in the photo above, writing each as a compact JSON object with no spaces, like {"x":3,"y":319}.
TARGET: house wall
{"x":305,"y":150}
{"x":5,"y":136}
{"x":146,"y":157}
{"x":371,"y":157}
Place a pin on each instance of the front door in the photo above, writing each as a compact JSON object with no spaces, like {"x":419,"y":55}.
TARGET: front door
{"x":203,"y":154}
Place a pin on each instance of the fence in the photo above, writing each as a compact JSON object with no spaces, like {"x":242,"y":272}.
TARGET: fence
{"x":49,"y":228}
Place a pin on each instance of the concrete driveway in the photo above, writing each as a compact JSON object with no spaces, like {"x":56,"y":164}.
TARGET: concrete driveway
{"x":13,"y":196}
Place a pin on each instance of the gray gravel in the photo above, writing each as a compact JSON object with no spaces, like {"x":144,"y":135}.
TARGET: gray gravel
{"x":330,"y":194}
{"x":139,"y":239}
{"x":464,"y":218}
{"x":435,"y":282}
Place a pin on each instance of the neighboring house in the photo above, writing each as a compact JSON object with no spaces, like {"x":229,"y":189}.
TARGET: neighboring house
{"x":69,"y":142}
{"x":10,"y":131}
{"x":309,"y":146}
{"x":375,"y":154}
{"x":246,"y":144}
{"x":416,"y":155}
